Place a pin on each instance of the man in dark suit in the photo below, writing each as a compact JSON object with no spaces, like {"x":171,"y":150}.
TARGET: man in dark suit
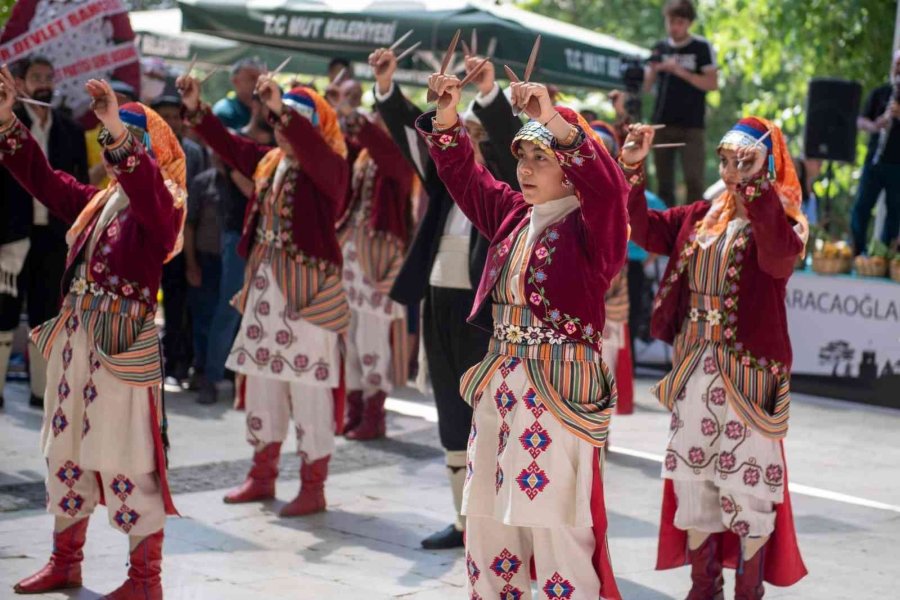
{"x":32,"y":241}
{"x":445,"y":260}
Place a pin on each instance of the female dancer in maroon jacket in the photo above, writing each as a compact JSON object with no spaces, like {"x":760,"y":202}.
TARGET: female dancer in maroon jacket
{"x":722,"y":305}
{"x":103,"y":432}
{"x":542,"y":397}
{"x":373,"y":231}
{"x":293,"y":304}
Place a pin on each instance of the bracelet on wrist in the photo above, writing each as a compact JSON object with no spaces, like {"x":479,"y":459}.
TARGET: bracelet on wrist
{"x":570,"y":138}
{"x":438,"y":126}
{"x":547,"y":122}
{"x":629,"y":166}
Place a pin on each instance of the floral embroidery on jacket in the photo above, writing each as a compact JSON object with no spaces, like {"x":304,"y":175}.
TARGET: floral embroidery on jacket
{"x":754,"y":188}
{"x":728,"y":317}
{"x":538,"y":276}
{"x":449,"y":138}
{"x":575,"y":157}
{"x":11,"y":140}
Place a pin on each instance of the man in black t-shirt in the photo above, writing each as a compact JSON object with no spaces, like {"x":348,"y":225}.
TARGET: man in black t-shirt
{"x":682,"y":69}
{"x":881,"y":171}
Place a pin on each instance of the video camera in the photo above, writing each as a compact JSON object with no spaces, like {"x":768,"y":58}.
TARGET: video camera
{"x":633,"y":78}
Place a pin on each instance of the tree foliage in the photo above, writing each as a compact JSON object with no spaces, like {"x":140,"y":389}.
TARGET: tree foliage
{"x":767,"y":52}
{"x":5,"y":8}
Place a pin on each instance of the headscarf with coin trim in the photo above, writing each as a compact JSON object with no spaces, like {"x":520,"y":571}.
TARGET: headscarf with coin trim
{"x":780,"y":167}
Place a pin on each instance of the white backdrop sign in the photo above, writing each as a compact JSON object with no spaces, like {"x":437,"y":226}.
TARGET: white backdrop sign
{"x":844,"y":326}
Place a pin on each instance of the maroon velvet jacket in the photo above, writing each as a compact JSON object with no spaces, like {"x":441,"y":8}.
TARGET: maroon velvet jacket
{"x":130,"y":251}
{"x":389,"y":210}
{"x":574,"y":260}
{"x":755,"y":307}
{"x":321,"y":185}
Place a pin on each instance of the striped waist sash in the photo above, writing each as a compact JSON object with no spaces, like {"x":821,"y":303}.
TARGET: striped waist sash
{"x":518,"y":332}
{"x":706,"y":318}
{"x":312,"y":288}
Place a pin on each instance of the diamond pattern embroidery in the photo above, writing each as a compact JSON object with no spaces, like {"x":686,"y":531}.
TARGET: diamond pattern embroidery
{"x":71,"y":325}
{"x":532,"y":480}
{"x":505,"y":400}
{"x":498,"y":478}
{"x":509,"y":366}
{"x":503,"y":438}
{"x":90,"y":392}
{"x":510,"y":593}
{"x":121,"y":487}
{"x":63,"y":390}
{"x":59,"y":422}
{"x":557,"y":587}
{"x":71,"y":503}
{"x":69,"y":474}
{"x":535,"y":440}
{"x":67,"y":355}
{"x":85,"y":427}
{"x":95,"y":363}
{"x":126,"y":518}
{"x":534,"y":403}
{"x":506,"y":565}
{"x":472,"y":569}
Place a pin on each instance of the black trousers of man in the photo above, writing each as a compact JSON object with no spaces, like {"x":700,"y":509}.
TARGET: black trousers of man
{"x":452,"y":346}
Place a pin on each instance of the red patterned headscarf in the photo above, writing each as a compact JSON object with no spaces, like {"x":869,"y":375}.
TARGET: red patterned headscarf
{"x":781,"y":170}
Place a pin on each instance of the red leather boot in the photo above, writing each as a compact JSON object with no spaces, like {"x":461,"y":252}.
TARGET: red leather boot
{"x":260,"y":482}
{"x":354,"y":411}
{"x":311,"y":498}
{"x":748,"y":579}
{"x":63,"y":570}
{"x":372,"y":425}
{"x":143,"y":581}
{"x":706,"y":570}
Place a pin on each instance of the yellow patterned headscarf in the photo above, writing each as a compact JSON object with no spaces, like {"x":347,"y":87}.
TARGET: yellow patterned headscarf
{"x":314,"y":107}
{"x":159,"y":140}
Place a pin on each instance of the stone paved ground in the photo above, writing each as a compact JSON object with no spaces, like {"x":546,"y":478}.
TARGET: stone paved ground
{"x":385,"y":496}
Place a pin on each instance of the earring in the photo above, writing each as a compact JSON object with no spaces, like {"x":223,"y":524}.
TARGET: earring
{"x":566,"y":182}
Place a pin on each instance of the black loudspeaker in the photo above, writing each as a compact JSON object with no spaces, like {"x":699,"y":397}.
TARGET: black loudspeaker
{"x":832,"y":106}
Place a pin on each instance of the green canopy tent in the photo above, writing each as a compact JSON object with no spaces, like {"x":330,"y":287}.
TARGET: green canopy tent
{"x":570,"y":55}
{"x":158,"y":34}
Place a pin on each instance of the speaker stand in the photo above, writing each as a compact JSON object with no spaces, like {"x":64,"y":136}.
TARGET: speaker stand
{"x":825,"y":209}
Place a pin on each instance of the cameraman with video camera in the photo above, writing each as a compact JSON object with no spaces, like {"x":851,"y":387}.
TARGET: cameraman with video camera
{"x":682,"y":68}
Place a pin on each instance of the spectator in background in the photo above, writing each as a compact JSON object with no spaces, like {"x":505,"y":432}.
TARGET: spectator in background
{"x":202,"y":249}
{"x":234,"y":109}
{"x":96,"y":167}
{"x":336,"y":66}
{"x":177,"y":346}
{"x":32,"y":240}
{"x":233,"y":191}
{"x":808,"y":170}
{"x":589,"y":114}
{"x":682,"y":69}
{"x":154,"y":74}
{"x":881,"y":171}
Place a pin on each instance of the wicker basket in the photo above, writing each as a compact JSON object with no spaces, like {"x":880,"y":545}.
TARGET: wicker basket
{"x":831,"y":265}
{"x":868,"y":266}
{"x":895,"y":270}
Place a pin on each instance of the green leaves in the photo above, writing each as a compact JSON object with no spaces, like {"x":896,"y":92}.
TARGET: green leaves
{"x":767,"y":52}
